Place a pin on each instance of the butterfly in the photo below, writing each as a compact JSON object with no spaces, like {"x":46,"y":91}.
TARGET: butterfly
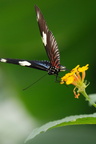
{"x":53,"y":66}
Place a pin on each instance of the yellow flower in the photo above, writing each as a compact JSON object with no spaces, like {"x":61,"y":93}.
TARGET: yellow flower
{"x":76,"y":77}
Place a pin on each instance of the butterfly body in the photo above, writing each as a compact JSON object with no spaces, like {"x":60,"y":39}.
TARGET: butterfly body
{"x":53,"y":66}
{"x":41,"y":65}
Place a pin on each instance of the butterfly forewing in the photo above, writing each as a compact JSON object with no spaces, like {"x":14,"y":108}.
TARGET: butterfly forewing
{"x":42,"y":65}
{"x":48,"y":39}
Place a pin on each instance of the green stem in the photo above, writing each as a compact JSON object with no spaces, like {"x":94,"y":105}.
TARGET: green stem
{"x":87,"y":97}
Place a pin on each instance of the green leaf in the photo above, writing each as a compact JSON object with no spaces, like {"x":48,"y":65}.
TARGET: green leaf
{"x":71,"y":120}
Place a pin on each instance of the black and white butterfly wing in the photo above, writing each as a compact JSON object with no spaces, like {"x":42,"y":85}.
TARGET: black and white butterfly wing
{"x":48,"y":39}
{"x":41,"y":65}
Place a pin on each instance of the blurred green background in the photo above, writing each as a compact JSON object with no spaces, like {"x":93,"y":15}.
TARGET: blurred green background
{"x":73,"y":24}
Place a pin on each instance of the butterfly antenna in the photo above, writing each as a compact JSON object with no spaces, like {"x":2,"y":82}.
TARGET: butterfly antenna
{"x":34,"y":82}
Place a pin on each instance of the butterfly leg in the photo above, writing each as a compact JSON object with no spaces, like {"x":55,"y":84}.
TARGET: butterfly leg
{"x":57,"y":80}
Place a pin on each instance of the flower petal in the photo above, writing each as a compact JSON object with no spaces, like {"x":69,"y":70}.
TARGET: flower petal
{"x":84,"y":68}
{"x":70,"y":80}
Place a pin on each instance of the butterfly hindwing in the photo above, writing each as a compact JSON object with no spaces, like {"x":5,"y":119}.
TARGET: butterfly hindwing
{"x":48,"y":39}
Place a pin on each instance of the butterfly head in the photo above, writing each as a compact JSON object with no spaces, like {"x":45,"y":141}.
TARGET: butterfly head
{"x":62,"y":68}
